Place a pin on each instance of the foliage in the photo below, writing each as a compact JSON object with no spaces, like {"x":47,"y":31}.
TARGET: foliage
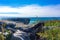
{"x":1,"y":37}
{"x":51,"y":33}
{"x":52,"y":23}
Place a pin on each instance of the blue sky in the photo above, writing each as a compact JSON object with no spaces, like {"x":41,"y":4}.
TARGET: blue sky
{"x":28,"y":2}
{"x":30,"y":8}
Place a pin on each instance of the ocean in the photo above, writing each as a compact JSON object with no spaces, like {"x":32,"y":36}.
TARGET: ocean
{"x":44,"y":18}
{"x":33,"y":19}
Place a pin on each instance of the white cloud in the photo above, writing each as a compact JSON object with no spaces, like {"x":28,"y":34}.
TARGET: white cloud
{"x":4,"y":9}
{"x":32,"y":11}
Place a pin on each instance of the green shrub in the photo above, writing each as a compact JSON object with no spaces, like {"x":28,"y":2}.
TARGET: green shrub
{"x":52,"y":34}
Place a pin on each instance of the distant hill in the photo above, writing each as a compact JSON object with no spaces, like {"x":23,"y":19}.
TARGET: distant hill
{"x":23,"y":20}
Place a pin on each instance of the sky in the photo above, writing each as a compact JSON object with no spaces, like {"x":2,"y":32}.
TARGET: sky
{"x":30,"y":8}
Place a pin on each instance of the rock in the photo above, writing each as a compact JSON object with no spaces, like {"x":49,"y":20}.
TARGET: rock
{"x":20,"y":35}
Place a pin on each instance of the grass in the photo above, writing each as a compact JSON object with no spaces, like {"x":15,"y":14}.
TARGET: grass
{"x":51,"y":33}
{"x":1,"y":37}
